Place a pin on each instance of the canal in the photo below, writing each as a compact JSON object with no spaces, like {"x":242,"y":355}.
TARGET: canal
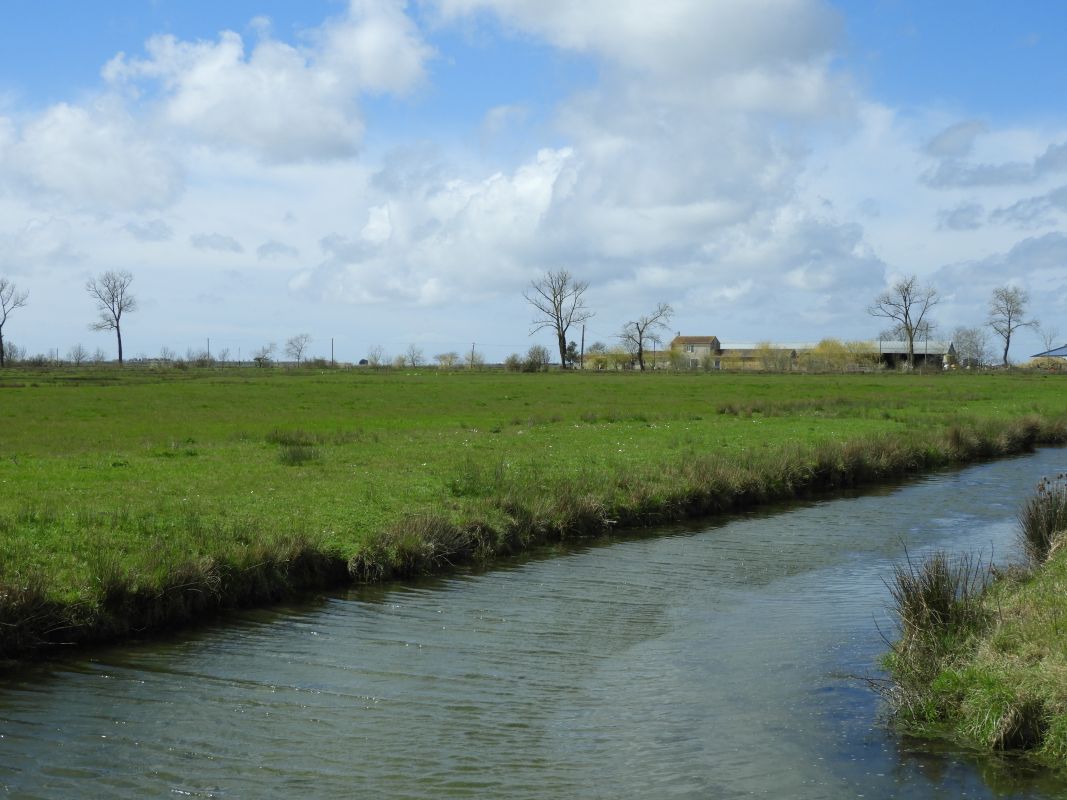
{"x":719,"y":661}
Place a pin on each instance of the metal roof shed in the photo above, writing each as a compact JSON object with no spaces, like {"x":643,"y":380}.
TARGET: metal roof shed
{"x":1058,"y":352}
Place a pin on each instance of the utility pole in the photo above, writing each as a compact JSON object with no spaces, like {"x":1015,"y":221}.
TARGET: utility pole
{"x":581,"y":354}
{"x":472,"y":355}
{"x":332,"y":363}
{"x":209,"y":348}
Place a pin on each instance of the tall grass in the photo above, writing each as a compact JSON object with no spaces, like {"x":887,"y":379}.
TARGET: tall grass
{"x":1043,"y":519}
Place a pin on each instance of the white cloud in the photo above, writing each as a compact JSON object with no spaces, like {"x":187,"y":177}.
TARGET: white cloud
{"x":90,"y":158}
{"x":276,"y":250}
{"x":281,"y":102}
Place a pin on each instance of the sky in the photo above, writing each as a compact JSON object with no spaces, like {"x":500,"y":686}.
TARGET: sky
{"x":379,"y":173}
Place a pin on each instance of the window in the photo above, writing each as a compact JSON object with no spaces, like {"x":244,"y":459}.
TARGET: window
{"x":689,"y":348}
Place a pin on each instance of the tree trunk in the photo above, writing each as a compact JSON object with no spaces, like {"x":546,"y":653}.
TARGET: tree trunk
{"x":1007,"y":344}
{"x":562,"y":341}
{"x":2,"y":354}
{"x":118,"y":335}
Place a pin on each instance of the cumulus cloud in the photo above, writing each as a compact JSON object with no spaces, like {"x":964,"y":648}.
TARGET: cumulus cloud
{"x":89,"y":158}
{"x":216,"y":241}
{"x":278,"y":101}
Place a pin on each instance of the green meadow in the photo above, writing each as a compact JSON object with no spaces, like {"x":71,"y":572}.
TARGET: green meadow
{"x":138,"y":499}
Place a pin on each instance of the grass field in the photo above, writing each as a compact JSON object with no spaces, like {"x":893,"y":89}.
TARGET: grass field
{"x":138,"y":499}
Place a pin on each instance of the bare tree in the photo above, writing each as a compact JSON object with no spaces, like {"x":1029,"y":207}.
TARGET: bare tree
{"x":297,"y":346}
{"x":77,"y":355}
{"x":414,"y":356}
{"x":972,"y":346}
{"x":473,"y":359}
{"x":1049,"y":334}
{"x":262,"y":357}
{"x":1007,"y":313}
{"x":906,"y":304}
{"x":558,"y":301}
{"x":10,"y":299}
{"x":111,"y":291}
{"x":376,"y":356}
{"x":637,"y":332}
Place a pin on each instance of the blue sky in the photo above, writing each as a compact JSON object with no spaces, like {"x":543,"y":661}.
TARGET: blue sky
{"x":389,"y":173}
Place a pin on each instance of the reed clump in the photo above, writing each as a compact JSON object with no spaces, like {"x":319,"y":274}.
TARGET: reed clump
{"x":979,"y":657}
{"x":1043,"y":519}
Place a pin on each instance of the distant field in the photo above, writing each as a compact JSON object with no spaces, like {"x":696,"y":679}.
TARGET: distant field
{"x":109,"y":475}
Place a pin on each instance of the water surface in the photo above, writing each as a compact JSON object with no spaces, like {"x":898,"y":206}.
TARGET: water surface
{"x":711,"y":663}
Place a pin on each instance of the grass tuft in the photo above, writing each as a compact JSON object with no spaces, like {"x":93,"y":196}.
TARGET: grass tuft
{"x":1043,"y":519}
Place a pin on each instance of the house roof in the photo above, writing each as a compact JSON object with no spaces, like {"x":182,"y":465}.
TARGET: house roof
{"x":1060,"y":352}
{"x":694,"y":340}
{"x":922,"y":346}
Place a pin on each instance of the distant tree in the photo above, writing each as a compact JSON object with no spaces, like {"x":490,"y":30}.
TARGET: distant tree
{"x":1007,"y":313}
{"x":559,"y":302}
{"x":513,"y":363}
{"x":414,"y":356}
{"x":77,"y":355}
{"x":446,"y":360}
{"x":906,"y":304}
{"x":10,"y":299}
{"x":264,"y":355}
{"x":972,"y":346}
{"x":636,"y":333}
{"x":573,"y":354}
{"x":297,"y":346}
{"x":166,"y":354}
{"x":1049,"y":334}
{"x":99,"y":356}
{"x":474,"y":359}
{"x":111,"y":291}
{"x":400,"y":361}
{"x":224,"y":355}
{"x":537,"y":359}
{"x":376,"y":357}
{"x":13,"y":354}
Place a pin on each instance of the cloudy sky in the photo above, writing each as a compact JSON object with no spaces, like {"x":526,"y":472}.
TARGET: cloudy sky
{"x":387,"y":173}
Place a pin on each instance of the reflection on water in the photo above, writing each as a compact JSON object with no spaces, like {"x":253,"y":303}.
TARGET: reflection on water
{"x":713,"y":663}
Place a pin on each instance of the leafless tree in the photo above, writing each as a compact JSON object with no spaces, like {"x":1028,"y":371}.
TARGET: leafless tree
{"x":262,"y":357}
{"x":972,"y":346}
{"x":111,"y":291}
{"x":414,"y":356}
{"x":99,"y":356}
{"x":224,"y":355}
{"x":1049,"y":334}
{"x":906,"y":304}
{"x":10,"y":299}
{"x":376,"y":356}
{"x":297,"y":346}
{"x":637,"y":332}
{"x":474,"y":359}
{"x":558,"y":300}
{"x":77,"y":355}
{"x":1007,"y":313}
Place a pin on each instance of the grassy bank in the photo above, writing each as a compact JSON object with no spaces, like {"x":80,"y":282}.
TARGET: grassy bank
{"x":131,"y":501}
{"x":982,"y":657}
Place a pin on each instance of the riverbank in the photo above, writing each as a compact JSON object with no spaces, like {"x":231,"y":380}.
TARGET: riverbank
{"x":981,"y":657}
{"x":135,"y":502}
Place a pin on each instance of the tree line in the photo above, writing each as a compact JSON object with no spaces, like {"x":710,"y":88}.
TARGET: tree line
{"x":559,"y":304}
